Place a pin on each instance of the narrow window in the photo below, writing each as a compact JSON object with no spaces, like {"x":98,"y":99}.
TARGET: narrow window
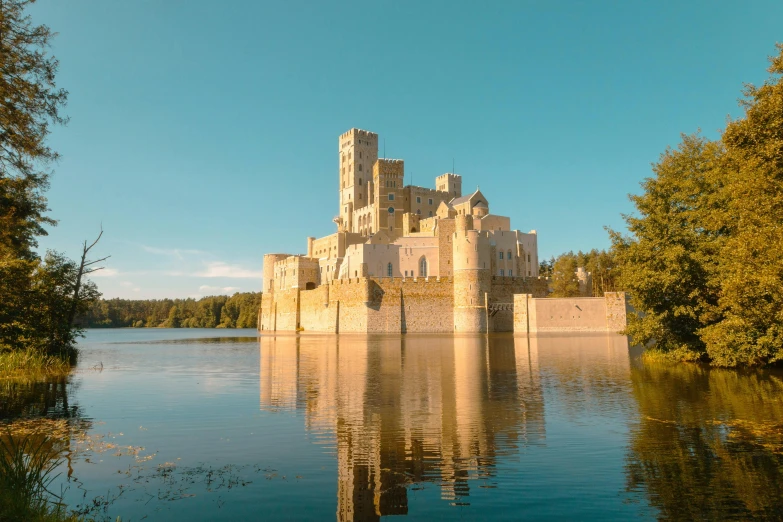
{"x":391,"y":197}
{"x":501,"y":273}
{"x":360,"y":167}
{"x":418,"y":199}
{"x":423,"y":267}
{"x":360,"y":181}
{"x":501,"y":254}
{"x":430,"y":201}
{"x":430,"y":213}
{"x":528,"y":258}
{"x":389,"y":270}
{"x":418,"y":212}
{"x":510,"y":273}
{"x":509,"y":255}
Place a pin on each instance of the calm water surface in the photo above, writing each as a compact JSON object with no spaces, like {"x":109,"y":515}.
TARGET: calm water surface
{"x":225,"y":425}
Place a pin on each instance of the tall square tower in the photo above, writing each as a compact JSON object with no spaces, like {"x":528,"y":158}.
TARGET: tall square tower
{"x":451,"y":183}
{"x":357,"y":153}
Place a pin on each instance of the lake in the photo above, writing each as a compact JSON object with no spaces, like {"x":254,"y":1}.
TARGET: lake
{"x":181,"y":424}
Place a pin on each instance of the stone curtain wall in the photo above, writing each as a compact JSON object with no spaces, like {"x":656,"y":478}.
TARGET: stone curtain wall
{"x":317,"y":312}
{"x":617,"y":308}
{"x":574,"y":314}
{"x":570,"y":314}
{"x":420,"y":305}
{"x":504,"y":291}
{"x":424,"y":305}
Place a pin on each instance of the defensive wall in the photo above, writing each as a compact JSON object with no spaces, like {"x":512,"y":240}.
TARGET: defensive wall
{"x":571,"y":314}
{"x":369,"y":305}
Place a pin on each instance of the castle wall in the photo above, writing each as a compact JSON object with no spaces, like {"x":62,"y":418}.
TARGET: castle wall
{"x":445,"y":231}
{"x":417,"y":200}
{"x":493,"y":222}
{"x":316,"y":312}
{"x":287,"y":309}
{"x":502,"y":292}
{"x":570,"y":314}
{"x":420,"y":305}
{"x":266,"y":312}
{"x":617,"y":308}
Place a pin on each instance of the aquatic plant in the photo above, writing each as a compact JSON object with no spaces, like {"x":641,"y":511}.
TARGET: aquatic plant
{"x":27,"y":469}
{"x":32,"y":363}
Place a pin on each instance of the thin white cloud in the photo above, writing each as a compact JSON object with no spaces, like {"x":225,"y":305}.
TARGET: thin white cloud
{"x":178,"y":253}
{"x":207,"y":289}
{"x":126,"y":284}
{"x":105,"y":272}
{"x":222,"y":269}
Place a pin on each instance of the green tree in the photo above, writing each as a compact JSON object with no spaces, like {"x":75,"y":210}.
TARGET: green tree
{"x":564,"y":281}
{"x":174,"y":318}
{"x":669,"y":261}
{"x":31,"y":103}
{"x":703,"y":259}
{"x":750,"y":264}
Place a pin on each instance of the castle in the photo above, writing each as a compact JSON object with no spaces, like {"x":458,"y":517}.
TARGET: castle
{"x":404,"y":258}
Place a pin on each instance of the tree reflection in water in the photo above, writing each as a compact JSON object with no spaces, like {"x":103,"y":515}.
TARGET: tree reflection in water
{"x":709,"y":444}
{"x":39,"y":411}
{"x":407,"y":410}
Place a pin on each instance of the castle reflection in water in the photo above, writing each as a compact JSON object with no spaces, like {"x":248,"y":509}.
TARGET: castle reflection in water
{"x":403,"y":410}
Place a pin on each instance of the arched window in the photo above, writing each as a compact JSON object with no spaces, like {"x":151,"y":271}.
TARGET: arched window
{"x":389,"y":270}
{"x":423,"y":267}
{"x":501,"y":254}
{"x":509,"y":255}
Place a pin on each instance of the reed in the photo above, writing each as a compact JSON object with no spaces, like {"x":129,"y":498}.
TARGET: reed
{"x":27,"y":469}
{"x":32,"y":364}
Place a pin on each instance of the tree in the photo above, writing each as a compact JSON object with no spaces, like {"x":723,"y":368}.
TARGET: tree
{"x":30,"y":103}
{"x":750,"y":263}
{"x":174,"y":318}
{"x":564,"y":281}
{"x":669,"y":261}
{"x":40,"y":298}
{"x":703,"y":259}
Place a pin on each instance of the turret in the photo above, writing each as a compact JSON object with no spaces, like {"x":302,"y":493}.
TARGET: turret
{"x":472,"y":276}
{"x":451,"y":183}
{"x":269,"y":271}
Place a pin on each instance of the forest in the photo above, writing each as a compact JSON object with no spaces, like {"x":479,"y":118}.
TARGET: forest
{"x":237,"y":311}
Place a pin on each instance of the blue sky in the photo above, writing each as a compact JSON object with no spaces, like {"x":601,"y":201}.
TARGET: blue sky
{"x":204,"y":134}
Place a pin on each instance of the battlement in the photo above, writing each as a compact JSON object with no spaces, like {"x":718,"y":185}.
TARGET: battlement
{"x":360,"y":133}
{"x":390,"y":161}
{"x":391,"y":281}
{"x":448,"y":176}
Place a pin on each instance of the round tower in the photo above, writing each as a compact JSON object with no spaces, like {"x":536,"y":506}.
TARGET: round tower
{"x":472,"y":277}
{"x":269,"y":271}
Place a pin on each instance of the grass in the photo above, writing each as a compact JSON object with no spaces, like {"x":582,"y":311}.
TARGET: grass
{"x":27,"y":467}
{"x":32,"y":364}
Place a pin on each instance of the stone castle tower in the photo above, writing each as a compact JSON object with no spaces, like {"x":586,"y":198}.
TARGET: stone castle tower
{"x":472,"y":277}
{"x":357,"y":154}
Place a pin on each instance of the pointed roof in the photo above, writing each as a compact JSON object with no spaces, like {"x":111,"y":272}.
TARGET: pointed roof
{"x":465,"y":199}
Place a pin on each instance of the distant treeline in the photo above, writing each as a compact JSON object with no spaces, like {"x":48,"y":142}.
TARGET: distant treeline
{"x":238,"y":311}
